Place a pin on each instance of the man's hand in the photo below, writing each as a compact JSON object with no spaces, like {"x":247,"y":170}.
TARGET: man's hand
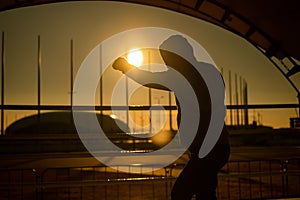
{"x":122,"y":65}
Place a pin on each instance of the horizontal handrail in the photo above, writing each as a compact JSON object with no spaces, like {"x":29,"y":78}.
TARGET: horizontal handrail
{"x":85,"y":107}
{"x":135,"y":107}
{"x":75,"y":183}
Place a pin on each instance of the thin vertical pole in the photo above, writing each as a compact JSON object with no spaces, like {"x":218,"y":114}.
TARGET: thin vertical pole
{"x":126,"y":96}
{"x":230,"y":98}
{"x":241,"y":100}
{"x":150,"y":93}
{"x":2,"y":83}
{"x":127,"y":102}
{"x":39,"y":63}
{"x":170,"y":112}
{"x":101,"y":85}
{"x":39,"y":76}
{"x":101,"y":80}
{"x":237,"y":101}
{"x":246,"y":102}
{"x":71,"y":72}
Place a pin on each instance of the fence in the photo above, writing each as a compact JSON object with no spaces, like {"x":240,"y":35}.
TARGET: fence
{"x":260,"y":179}
{"x":253,"y":179}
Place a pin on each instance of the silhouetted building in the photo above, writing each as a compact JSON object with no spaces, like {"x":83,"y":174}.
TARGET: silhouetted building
{"x":61,"y":123}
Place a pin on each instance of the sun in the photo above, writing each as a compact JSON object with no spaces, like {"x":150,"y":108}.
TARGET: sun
{"x":135,"y":57}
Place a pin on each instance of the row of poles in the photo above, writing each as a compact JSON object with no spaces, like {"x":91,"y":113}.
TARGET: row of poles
{"x":39,"y":66}
{"x":238,"y":97}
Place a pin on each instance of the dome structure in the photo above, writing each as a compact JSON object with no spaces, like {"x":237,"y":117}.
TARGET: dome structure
{"x":61,"y":123}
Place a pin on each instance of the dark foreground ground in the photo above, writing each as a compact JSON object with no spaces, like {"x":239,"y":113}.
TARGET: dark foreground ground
{"x":252,"y":173}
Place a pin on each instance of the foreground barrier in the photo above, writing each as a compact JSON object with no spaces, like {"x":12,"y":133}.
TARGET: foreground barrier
{"x":255,"y":179}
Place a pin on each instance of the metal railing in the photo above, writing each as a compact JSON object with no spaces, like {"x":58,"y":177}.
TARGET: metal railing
{"x":255,"y":179}
{"x":260,"y":179}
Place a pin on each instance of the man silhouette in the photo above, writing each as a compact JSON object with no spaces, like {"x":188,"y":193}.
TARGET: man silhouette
{"x":199,"y":177}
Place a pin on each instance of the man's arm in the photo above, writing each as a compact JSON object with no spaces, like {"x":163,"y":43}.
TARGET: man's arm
{"x":139,"y":75}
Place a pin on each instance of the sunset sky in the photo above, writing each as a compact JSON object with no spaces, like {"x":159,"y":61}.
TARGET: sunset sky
{"x":89,"y":23}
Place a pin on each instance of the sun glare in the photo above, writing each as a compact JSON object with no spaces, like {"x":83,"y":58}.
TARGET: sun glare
{"x":135,"y":57}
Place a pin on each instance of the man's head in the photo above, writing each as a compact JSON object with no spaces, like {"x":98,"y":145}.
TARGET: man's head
{"x":176,"y":44}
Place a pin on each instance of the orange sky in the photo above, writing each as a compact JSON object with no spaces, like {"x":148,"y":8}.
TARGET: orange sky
{"x":89,"y":23}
